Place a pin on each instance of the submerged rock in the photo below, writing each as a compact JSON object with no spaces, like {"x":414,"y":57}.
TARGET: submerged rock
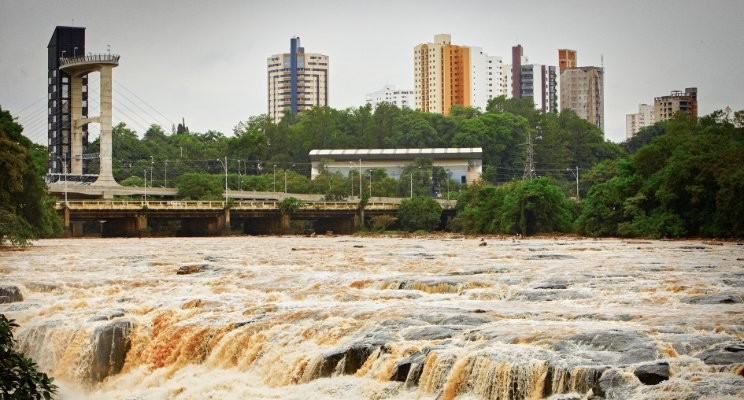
{"x":717,"y":299}
{"x":611,"y":346}
{"x":613,"y":384}
{"x":106,"y":315}
{"x":432,"y":332}
{"x":723,"y":354}
{"x":345,"y":361}
{"x":10,"y":294}
{"x":191,"y":269}
{"x":111,"y":343}
{"x":409,"y":369}
{"x":652,"y":374}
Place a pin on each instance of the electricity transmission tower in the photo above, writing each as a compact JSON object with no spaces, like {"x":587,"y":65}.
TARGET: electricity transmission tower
{"x":529,"y":157}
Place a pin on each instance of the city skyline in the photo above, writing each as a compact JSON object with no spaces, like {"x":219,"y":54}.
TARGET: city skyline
{"x":208,"y":64}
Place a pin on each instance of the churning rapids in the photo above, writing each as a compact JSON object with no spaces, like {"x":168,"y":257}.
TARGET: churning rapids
{"x":381,"y":318}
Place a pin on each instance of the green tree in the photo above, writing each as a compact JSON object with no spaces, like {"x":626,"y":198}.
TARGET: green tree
{"x":20,"y":377}
{"x":200,"y":186}
{"x":535,"y":206}
{"x":26,"y":211}
{"x":419,"y":213}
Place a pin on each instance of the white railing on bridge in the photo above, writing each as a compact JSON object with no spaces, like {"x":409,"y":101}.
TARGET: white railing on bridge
{"x":214,"y":205}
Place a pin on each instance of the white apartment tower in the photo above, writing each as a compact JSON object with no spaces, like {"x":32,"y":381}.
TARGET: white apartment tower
{"x":487,"y":79}
{"x":389,"y":94}
{"x":635,"y":122}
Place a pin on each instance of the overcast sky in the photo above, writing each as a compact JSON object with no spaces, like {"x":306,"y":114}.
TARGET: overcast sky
{"x":205,"y":61}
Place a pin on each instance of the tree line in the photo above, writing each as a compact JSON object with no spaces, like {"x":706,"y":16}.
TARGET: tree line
{"x":676,"y":178}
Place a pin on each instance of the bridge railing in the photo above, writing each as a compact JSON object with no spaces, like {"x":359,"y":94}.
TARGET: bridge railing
{"x":212,"y":205}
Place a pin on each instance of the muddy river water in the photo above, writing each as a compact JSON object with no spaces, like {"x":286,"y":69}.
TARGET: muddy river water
{"x":381,"y":317}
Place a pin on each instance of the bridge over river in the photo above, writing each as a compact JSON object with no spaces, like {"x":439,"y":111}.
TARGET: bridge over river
{"x":209,"y":218}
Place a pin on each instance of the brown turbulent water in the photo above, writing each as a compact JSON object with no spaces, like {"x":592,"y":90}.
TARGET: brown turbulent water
{"x":382,"y":318}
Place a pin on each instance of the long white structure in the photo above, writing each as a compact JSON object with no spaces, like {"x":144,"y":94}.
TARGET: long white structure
{"x":465,"y":164}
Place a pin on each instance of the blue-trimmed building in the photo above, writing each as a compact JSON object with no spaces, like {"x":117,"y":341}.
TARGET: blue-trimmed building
{"x":297,"y":81}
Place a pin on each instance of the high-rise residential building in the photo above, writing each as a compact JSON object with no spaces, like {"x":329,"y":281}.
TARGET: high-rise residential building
{"x":389,"y":94}
{"x":66,"y":41}
{"x":582,"y":90}
{"x":487,"y":78}
{"x":441,"y":75}
{"x":540,"y":83}
{"x":642,"y":119}
{"x":446,"y":75}
{"x":518,"y":59}
{"x":297,"y":81}
{"x":566,"y":58}
{"x":666,"y":106}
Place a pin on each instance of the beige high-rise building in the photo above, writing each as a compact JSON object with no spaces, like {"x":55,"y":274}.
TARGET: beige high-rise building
{"x":635,"y":122}
{"x":441,"y":75}
{"x":297,"y":81}
{"x":582,"y":90}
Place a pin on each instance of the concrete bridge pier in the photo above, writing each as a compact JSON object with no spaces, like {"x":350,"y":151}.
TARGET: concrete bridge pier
{"x":203,"y":226}
{"x":343,"y":225}
{"x":269,"y":225}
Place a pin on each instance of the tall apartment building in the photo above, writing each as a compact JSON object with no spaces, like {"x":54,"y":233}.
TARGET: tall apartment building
{"x":518,"y":59}
{"x":642,"y":119}
{"x":297,"y":81}
{"x":540,"y":83}
{"x":66,"y":41}
{"x":582,"y":90}
{"x":566,"y":58}
{"x":666,"y":106}
{"x":441,"y":75}
{"x":389,"y":94}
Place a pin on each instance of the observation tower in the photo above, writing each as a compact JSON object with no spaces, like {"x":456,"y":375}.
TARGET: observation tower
{"x":78,"y":67}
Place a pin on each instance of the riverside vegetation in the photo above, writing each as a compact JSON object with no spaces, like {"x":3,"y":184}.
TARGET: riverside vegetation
{"x":677,"y":178}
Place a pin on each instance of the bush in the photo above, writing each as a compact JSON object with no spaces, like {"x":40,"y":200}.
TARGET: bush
{"x":290,"y":205}
{"x":19,"y":375}
{"x":535,"y":206}
{"x":419,"y":213}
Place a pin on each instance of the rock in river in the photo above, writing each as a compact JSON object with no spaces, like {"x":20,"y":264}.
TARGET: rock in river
{"x":111,"y":342}
{"x":10,"y":294}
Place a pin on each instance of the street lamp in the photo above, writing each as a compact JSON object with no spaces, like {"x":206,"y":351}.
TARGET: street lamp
{"x":240,"y":178}
{"x":144,"y":172}
{"x":576,"y":174}
{"x":448,"y":179}
{"x":165,"y":175}
{"x":351,"y":166}
{"x":285,"y":179}
{"x":370,"y":183}
{"x":411,"y":175}
{"x":225,"y":165}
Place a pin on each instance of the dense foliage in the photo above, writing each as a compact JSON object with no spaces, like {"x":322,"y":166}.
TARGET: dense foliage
{"x":25,"y":209}
{"x":687,"y":181}
{"x":419,"y":213}
{"x":19,"y":375}
{"x":524,"y":207}
{"x":260,"y":151}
